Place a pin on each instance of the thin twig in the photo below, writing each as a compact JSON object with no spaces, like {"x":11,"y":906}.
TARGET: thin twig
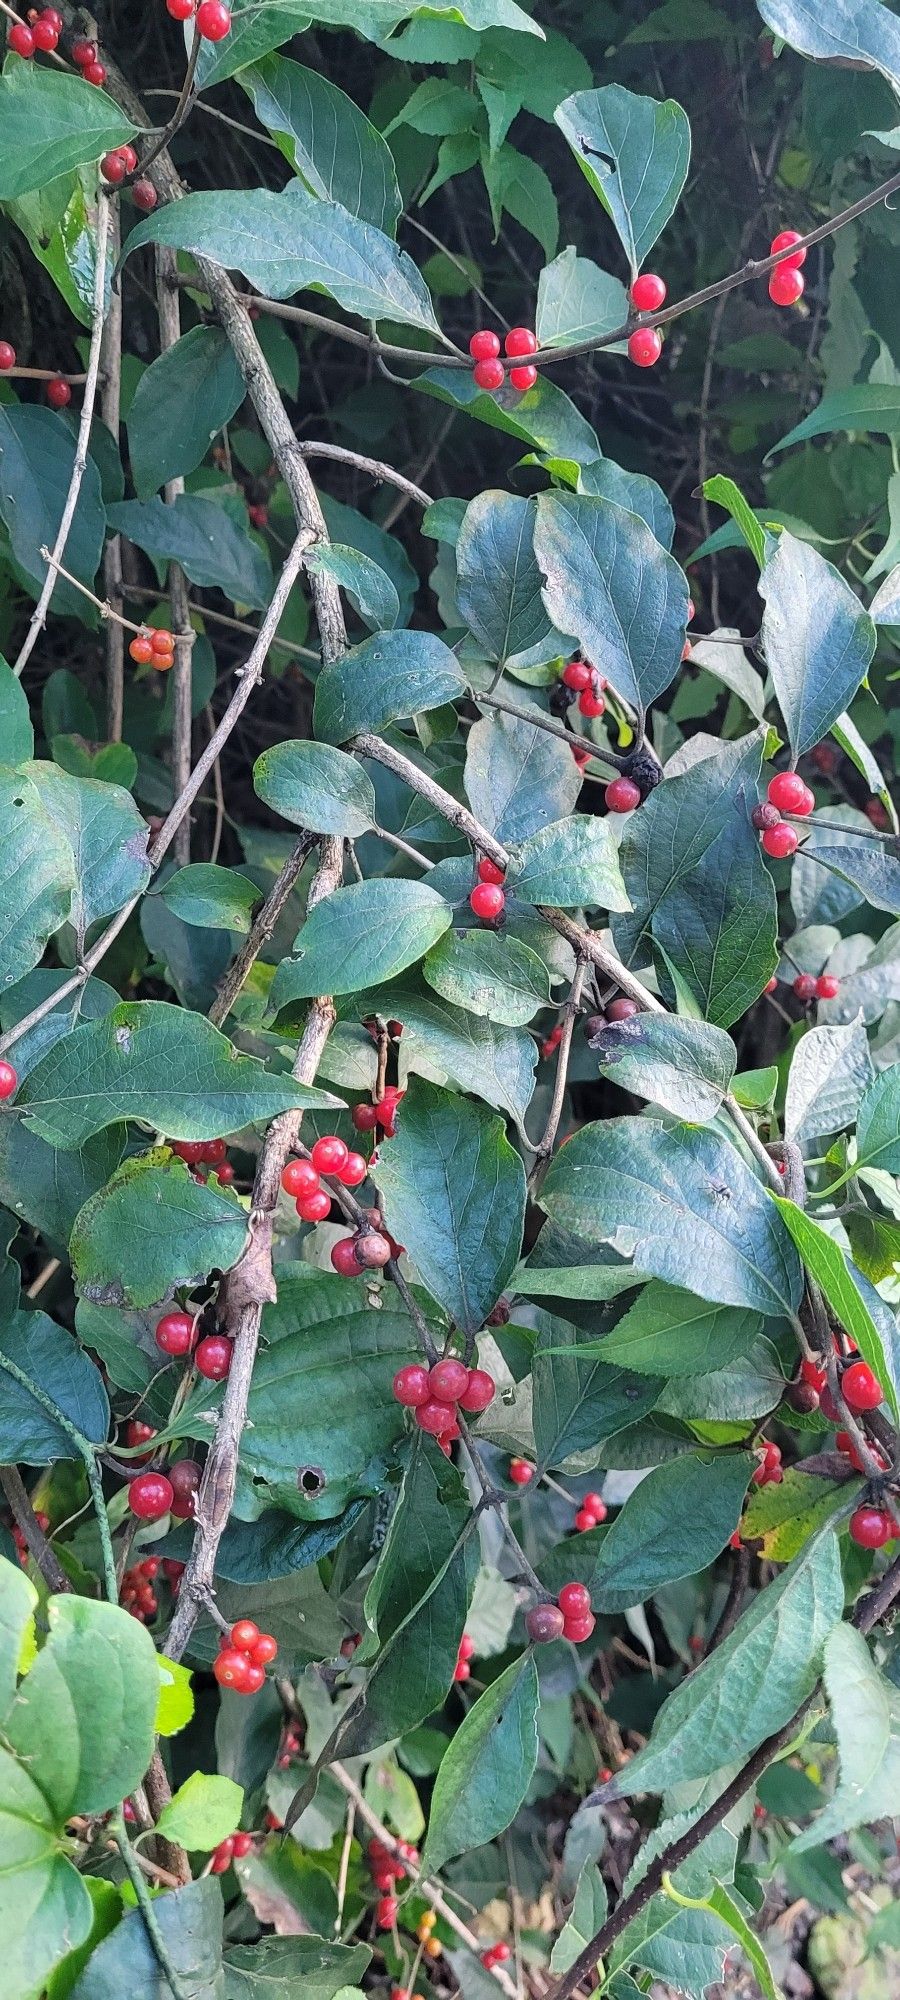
{"x":344,"y":1868}
{"x":377,"y":468}
{"x":23,"y":1514}
{"x":148,"y":1912}
{"x":169,"y":310}
{"x":263,"y":927}
{"x":79,"y":467}
{"x":110,"y":411}
{"x":547,"y":1142}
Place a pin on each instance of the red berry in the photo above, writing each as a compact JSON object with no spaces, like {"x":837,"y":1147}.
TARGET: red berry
{"x":591,"y":704}
{"x":265,"y":1649}
{"x":478,"y":1392}
{"x":213,"y":20}
{"x":574,"y":1600}
{"x":84,"y":52}
{"x":386,"y":1912}
{"x":523,"y":378}
{"x":314,"y":1207}
{"x":141,"y":652}
{"x":648,"y":292}
{"x":860,"y":1387}
{"x":8,"y":1081}
{"x":787,"y":791}
{"x":259,"y":515}
{"x":221,"y":1857}
{"x":58,"y":393}
{"x":162,"y":643}
{"x":811,"y":1373}
{"x":53,"y":15}
{"x":7,"y":356}
{"x":596,"y":1505}
{"x":175,"y":1333}
{"x":95,"y":72}
{"x":300,"y":1177}
{"x":805,"y":986}
{"x":45,"y":35}
{"x":780,"y":841}
{"x":622,"y":795}
{"x":785,"y":286}
{"x":871,"y":1528}
{"x":543,"y":1623}
{"x":150,"y":1495}
{"x":411,"y":1386}
{"x":144,"y":196}
{"x":138,"y":1433}
{"x":876,"y":814}
{"x":578,"y":675}
{"x":466,"y":1647}
{"x":448,"y":1380}
{"x":520,"y":340}
{"x":213,"y":1357}
{"x":488,"y":871}
{"x":365,"y":1117}
{"x":489,"y":375}
{"x":827,"y":986}
{"x":244,"y":1634}
{"x":184,"y":1478}
{"x":584,"y":1520}
{"x":578,"y":1629}
{"x":225,"y":1174}
{"x":21,"y":40}
{"x":180,"y":10}
{"x":113,"y":168}
{"x":329,"y":1155}
{"x":462,"y":1670}
{"x":241,"y":1844}
{"x":232,"y":1669}
{"x":520,"y":1471}
{"x":344,"y":1259}
{"x":488,"y":901}
{"x":354,"y":1171}
{"x":484,"y":346}
{"x":622,"y":1010}
{"x":783,"y":241}
{"x":434,"y":1417}
{"x":645,"y":346}
{"x":128,"y":154}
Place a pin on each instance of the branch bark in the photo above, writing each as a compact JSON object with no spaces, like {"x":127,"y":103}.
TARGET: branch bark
{"x":169,"y":309}
{"x":110,"y":411}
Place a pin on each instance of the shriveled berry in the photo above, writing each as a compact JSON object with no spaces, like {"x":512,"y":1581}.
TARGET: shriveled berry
{"x":9,"y":1080}
{"x":372,"y":1250}
{"x":574,"y":1600}
{"x":329,"y":1154}
{"x":484,"y":345}
{"x":765,"y":815}
{"x":860,"y":1387}
{"x":645,"y":346}
{"x":785,"y":286}
{"x":648,"y":292}
{"x":780,"y":841}
{"x":448,"y":1379}
{"x":543,"y":1623}
{"x":622,"y":795}
{"x":365,"y":1117}
{"x":479,"y":1391}
{"x":622,"y":1009}
{"x":150,"y":1495}
{"x":411,"y":1386}
{"x":213,"y":1357}
{"x":489,"y":375}
{"x":184,"y":1478}
{"x":487,"y":900}
{"x":520,"y":1472}
{"x":805,"y":986}
{"x":870,"y":1528}
{"x":827,"y":986}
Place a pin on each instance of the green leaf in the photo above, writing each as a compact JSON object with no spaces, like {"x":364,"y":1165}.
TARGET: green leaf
{"x":609,"y":582}
{"x":681,"y":1203}
{"x":386,"y":678}
{"x":161,"y":1064}
{"x":545,"y":418}
{"x":329,"y":142}
{"x":54,"y":1362}
{"x":670,"y":1332}
{"x":872,"y":867}
{"x":644,"y":150}
{"x":45,"y":1907}
{"x":723,"y":1905}
{"x":278,"y":1968}
{"x":293,"y":242}
{"x":37,"y":876}
{"x":878,"y":1126}
{"x":255,"y":30}
{"x":175,"y":1703}
{"x":359,"y":936}
{"x":818,"y":640}
{"x":577,"y":301}
{"x":489,"y":974}
{"x":82,"y":1723}
{"x":586,"y":1917}
{"x":868,"y":406}
{"x":485,"y":1773}
{"x":453,"y":1192}
{"x":751,"y":1684}
{"x":216,"y":899}
{"x":646,"y":1547}
{"x":498,"y":586}
{"x":634,"y":492}
{"x":832,"y":1270}
{"x":313,"y":785}
{"x":830,"y":1069}
{"x":517,"y":184}
{"x":369,"y":588}
{"x":15,"y":719}
{"x":468,"y":1053}
{"x":724,"y":493}
{"x":692,"y":848}
{"x":578,"y":1399}
{"x":190,"y":1921}
{"x":108,"y":838}
{"x":570,"y":864}
{"x":37,"y":456}
{"x":518,"y":777}
{"x":50,"y":123}
{"x":114,"y":763}
{"x":782,"y":1518}
{"x":199,"y":535}
{"x":182,"y":400}
{"x":203,"y":1811}
{"x":684,"y":1949}
{"x":106,"y":1902}
{"x":865,"y":1711}
{"x":685,"y":1066}
{"x":857,"y":31}
{"x":153,"y":1227}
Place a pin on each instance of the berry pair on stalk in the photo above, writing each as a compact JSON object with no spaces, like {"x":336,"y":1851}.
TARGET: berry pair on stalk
{"x":589,"y":685}
{"x":211,"y":19}
{"x":488,"y":898}
{"x":569,"y":1618}
{"x":489,"y":372}
{"x":785,"y":793}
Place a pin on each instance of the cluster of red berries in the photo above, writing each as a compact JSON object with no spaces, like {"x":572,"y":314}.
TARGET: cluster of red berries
{"x":591,"y":1512}
{"x":153,"y":1494}
{"x":175,"y":1335}
{"x":243,"y":1656}
{"x":41,"y":32}
{"x":585,"y":681}
{"x":232,"y":1849}
{"x":197,"y":1153}
{"x":489,"y":372}
{"x":826,"y":987}
{"x":154,"y":648}
{"x":387,"y":1868}
{"x":769,"y":1471}
{"x":520,"y":1472}
{"x":9,"y":1081}
{"x":115,"y":165}
{"x":43,"y":1521}
{"x":211,"y":19}
{"x":496,"y":1954}
{"x":785,"y":793}
{"x":870,"y":1527}
{"x":436,"y":1395}
{"x":488,"y":898}
{"x":647,"y":294}
{"x":137,"y":1594}
{"x":302,"y":1178}
{"x":462,"y":1669}
{"x":84,"y":55}
{"x":569,"y":1618}
{"x":383,"y":1115}
{"x":785,"y":282}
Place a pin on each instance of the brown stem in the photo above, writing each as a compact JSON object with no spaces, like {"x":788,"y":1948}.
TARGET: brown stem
{"x":263,"y":927}
{"x":23,"y":1514}
{"x":169,"y":309}
{"x":158,"y":1793}
{"x":110,"y":411}
{"x":737,"y":1588}
{"x":377,"y":468}
{"x":546,"y":1144}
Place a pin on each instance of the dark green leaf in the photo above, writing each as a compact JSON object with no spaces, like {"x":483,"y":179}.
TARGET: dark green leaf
{"x":494,"y":1063}
{"x":190,"y":1920}
{"x":37,"y":454}
{"x":280,"y":1967}
{"x":393,"y":675}
{"x":201,"y":537}
{"x":37,"y":876}
{"x":16,"y":733}
{"x":546,"y":418}
{"x":865,"y":1709}
{"x":329,"y":142}
{"x":518,"y":777}
{"x":151,"y":1228}
{"x":868,"y":406}
{"x":570,"y":864}
{"x":51,"y":122}
{"x":453,"y":1191}
{"x":685,"y":1949}
{"x":53,"y":1360}
{"x":369,"y":587}
{"x":878,"y":1127}
{"x":489,"y":974}
{"x":255,"y":29}
{"x":361,"y":935}
{"x":211,"y":897}
{"x":578,"y":1399}
{"x":609,"y":581}
{"x":644,"y":149}
{"x":647,"y":1546}
{"x":685,"y":1066}
{"x":181,"y":401}
{"x":498,"y":586}
{"x":83,"y":1724}
{"x":108,"y":838}
{"x":872,"y":867}
{"x":314,"y":785}
{"x":670,"y":1332}
{"x":633,"y":491}
{"x":485,"y":1773}
{"x":586,"y":1917}
{"x":818,"y":640}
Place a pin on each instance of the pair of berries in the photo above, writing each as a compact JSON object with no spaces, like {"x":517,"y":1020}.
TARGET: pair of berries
{"x":769,"y":1469}
{"x":84,"y":55}
{"x":386,"y":1862}
{"x":437,"y":1394}
{"x":569,"y":1618}
{"x":175,"y":1335}
{"x":622,"y":1009}
{"x":647,"y":294}
{"x":488,"y":898}
{"x":41,"y":32}
{"x":383,"y":1115}
{"x":592,"y":1511}
{"x":115,"y":165}
{"x":622,"y":795}
{"x":232,"y":1849}
{"x":243,"y":1656}
{"x":496,"y":1954}
{"x":9,"y":1081}
{"x":462,"y":1669}
{"x":785,"y":282}
{"x":806,"y":987}
{"x":354,"y":1256}
{"x":154,"y":648}
{"x":585,"y":681}
{"x":153,"y":1494}
{"x":427,"y":1924}
{"x":211,"y":19}
{"x":489,"y":373}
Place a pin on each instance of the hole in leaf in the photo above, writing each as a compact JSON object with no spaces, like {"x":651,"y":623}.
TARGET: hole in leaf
{"x":311,"y":1479}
